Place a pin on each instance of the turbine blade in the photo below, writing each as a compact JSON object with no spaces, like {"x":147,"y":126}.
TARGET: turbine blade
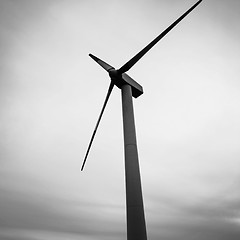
{"x":98,"y":121}
{"x":103,"y":64}
{"x":139,"y":55}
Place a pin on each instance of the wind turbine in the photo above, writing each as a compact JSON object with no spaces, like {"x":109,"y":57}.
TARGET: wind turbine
{"x":136,"y":227}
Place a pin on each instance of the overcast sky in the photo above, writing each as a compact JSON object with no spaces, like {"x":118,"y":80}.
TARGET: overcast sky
{"x":187,"y":120}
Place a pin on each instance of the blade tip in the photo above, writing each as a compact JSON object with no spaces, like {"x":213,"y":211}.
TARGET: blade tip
{"x":93,"y":57}
{"x":82,"y":167}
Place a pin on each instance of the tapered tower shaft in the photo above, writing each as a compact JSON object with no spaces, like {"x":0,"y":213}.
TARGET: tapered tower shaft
{"x":136,"y":226}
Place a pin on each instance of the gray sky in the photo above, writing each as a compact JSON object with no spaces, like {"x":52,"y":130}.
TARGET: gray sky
{"x":187,"y":119}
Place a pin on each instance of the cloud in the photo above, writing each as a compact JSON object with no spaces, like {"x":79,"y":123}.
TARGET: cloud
{"x":187,"y":121}
{"x":215,"y":218}
{"x":26,"y":213}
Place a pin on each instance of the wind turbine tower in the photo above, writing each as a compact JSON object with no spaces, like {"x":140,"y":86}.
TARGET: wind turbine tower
{"x":136,"y":226}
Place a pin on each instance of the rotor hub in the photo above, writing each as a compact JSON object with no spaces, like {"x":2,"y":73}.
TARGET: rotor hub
{"x":113,"y":73}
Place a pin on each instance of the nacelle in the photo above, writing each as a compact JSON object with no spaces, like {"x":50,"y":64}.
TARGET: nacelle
{"x":121,"y":79}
